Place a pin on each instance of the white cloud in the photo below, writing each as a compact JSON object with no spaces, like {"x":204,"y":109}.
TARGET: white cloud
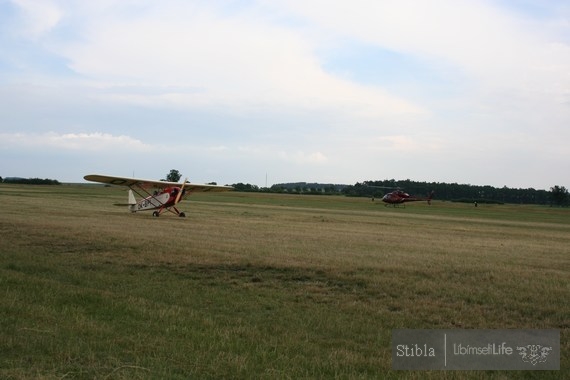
{"x":302,"y":158}
{"x":406,"y":144}
{"x":508,"y":60}
{"x":37,"y":17}
{"x":89,"y":142}
{"x":476,"y":35}
{"x":238,"y":60}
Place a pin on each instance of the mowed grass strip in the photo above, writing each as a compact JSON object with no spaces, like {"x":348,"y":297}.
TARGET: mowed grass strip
{"x":263,"y":286}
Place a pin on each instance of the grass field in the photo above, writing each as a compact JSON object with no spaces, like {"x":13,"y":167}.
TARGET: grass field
{"x":264,"y":286}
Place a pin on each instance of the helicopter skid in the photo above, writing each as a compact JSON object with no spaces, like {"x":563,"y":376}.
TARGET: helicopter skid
{"x":395,"y":205}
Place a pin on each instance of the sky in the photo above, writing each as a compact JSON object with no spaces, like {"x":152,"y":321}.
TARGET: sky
{"x":273,"y":91}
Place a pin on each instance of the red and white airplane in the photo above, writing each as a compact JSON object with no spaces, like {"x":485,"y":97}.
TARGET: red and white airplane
{"x":156,"y":195}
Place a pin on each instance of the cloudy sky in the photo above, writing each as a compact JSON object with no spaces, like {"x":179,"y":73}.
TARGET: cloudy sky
{"x":289,"y":90}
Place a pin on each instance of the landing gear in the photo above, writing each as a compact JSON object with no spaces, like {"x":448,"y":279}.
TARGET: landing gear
{"x":179,"y":213}
{"x":173,"y":210}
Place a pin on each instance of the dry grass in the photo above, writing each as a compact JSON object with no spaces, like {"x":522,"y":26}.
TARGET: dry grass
{"x":254,"y":285}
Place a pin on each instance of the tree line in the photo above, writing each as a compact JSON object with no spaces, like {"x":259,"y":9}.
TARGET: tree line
{"x":30,"y":181}
{"x":558,"y":195}
{"x":463,"y":192}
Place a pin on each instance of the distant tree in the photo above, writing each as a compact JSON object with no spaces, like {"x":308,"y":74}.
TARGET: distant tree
{"x":559,"y":195}
{"x":1,"y":180}
{"x":245,"y":187}
{"x":31,"y":181}
{"x":173,"y":176}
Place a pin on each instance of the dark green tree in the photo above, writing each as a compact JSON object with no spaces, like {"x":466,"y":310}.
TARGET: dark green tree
{"x":173,"y":176}
{"x":559,"y":195}
{"x":245,"y":187}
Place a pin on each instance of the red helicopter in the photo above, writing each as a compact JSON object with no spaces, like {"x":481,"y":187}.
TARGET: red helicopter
{"x":398,"y":197}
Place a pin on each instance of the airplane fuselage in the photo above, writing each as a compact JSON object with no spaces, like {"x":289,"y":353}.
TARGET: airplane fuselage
{"x":165,"y":198}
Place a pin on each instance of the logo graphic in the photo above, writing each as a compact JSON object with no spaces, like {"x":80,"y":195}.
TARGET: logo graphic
{"x":534,"y":353}
{"x":476,"y":349}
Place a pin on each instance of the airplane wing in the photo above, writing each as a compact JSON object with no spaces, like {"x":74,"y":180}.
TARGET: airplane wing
{"x":146,"y":183}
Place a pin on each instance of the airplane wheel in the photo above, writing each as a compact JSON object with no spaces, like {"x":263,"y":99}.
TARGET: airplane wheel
{"x":182,"y":215}
{"x":156,"y":214}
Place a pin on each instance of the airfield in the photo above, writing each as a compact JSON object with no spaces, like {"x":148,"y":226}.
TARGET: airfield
{"x":253,"y":285}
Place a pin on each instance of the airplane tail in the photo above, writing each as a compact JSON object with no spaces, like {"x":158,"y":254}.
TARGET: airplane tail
{"x":132,"y":200}
{"x":131,"y":203}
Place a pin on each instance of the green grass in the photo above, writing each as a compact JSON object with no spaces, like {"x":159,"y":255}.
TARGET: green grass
{"x":264,"y":285}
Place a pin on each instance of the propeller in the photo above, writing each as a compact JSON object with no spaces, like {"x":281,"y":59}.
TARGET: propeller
{"x":180,"y":192}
